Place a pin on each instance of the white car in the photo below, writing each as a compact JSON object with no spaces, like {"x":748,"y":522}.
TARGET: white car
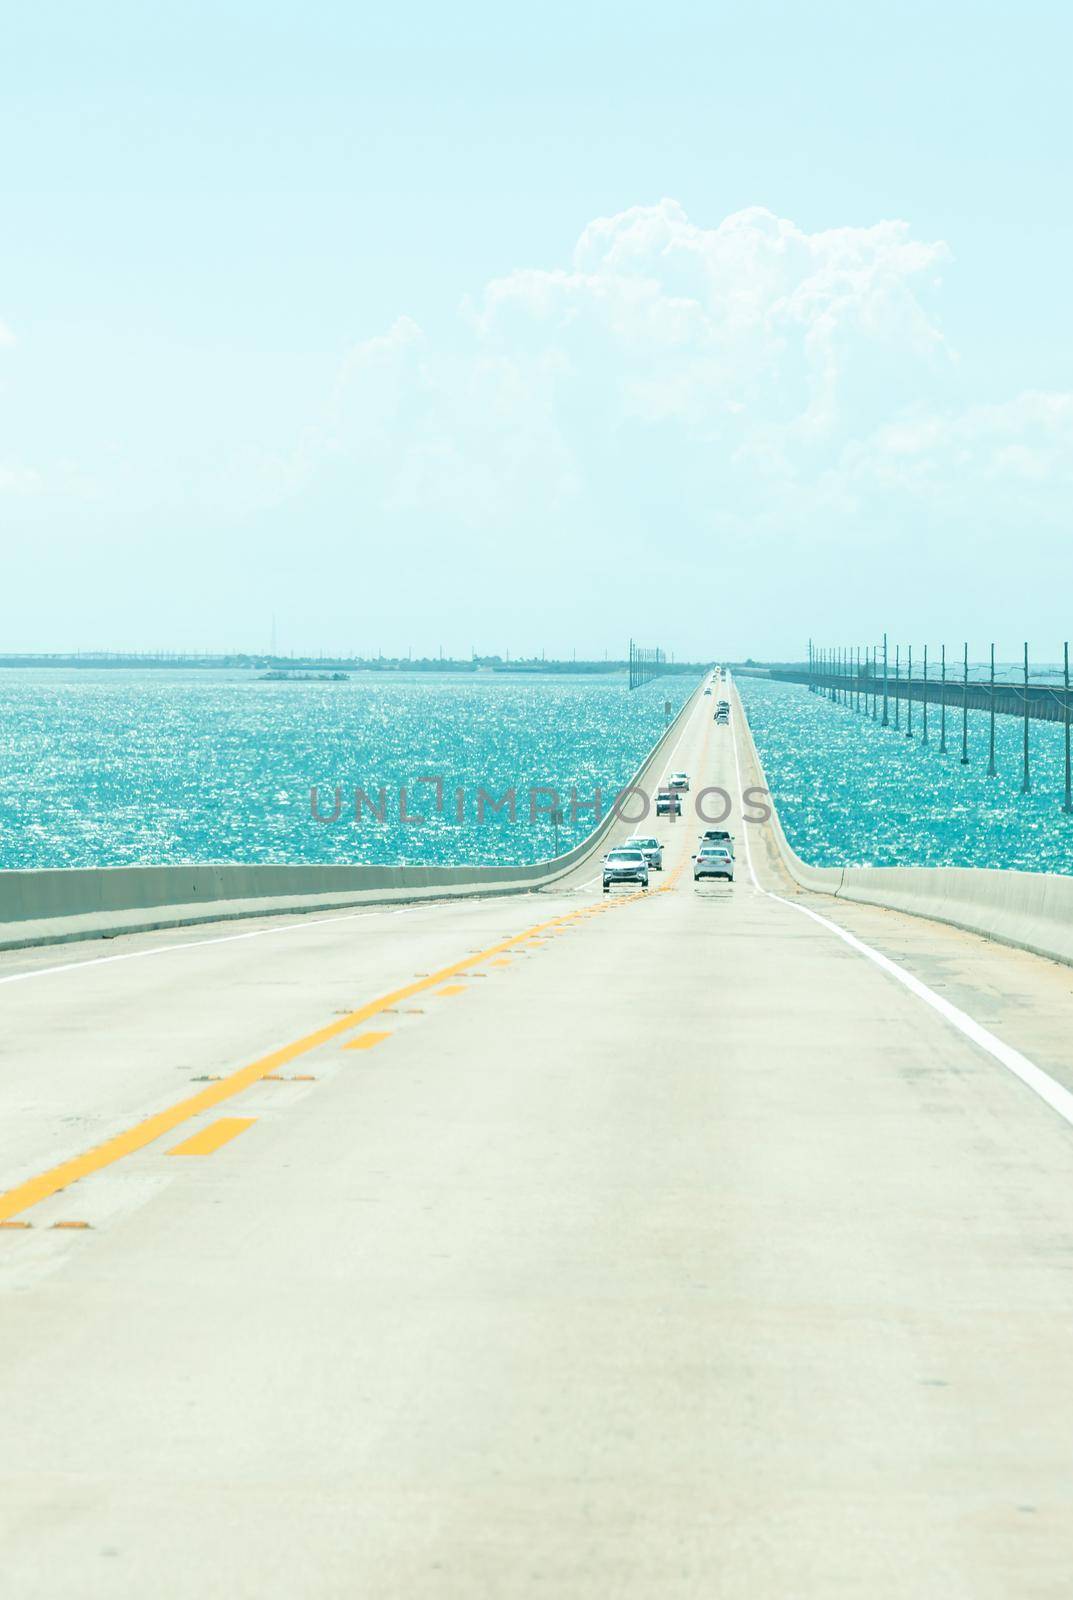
{"x":713,"y":861}
{"x":679,"y":781}
{"x":625,"y":864}
{"x":651,"y":849}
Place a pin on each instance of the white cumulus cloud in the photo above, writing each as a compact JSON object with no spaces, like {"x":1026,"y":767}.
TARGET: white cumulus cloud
{"x":749,"y":379}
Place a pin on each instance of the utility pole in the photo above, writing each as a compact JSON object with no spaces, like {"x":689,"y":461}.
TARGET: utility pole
{"x":924,"y":709}
{"x":965,"y":708}
{"x":886,"y":686}
{"x":909,"y":698}
{"x":942,"y":718}
{"x":1026,"y":784}
{"x":991,"y":743}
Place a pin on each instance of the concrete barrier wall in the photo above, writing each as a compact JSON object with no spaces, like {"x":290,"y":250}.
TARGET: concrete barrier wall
{"x":54,"y":905}
{"x":1029,"y":910}
{"x":822,"y":880}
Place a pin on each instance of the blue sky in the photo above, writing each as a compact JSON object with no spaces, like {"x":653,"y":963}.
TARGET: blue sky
{"x":534,"y":329}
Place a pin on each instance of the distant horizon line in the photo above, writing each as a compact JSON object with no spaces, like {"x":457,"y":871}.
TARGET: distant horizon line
{"x":295,"y":660}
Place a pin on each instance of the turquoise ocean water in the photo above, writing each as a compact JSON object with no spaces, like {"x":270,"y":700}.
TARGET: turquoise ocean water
{"x":850,"y":791}
{"x":112,"y":767}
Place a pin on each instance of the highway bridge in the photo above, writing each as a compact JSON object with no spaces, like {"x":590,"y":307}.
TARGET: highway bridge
{"x":711,"y":1241}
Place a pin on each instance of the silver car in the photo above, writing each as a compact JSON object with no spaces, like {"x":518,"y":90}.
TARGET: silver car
{"x":713,"y":861}
{"x":651,"y":849}
{"x":718,"y":836}
{"x":625,"y":864}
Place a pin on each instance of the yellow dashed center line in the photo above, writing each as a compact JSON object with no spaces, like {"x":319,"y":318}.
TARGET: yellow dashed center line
{"x":206,"y":1140}
{"x":45,"y":1184}
{"x":365,"y":1041}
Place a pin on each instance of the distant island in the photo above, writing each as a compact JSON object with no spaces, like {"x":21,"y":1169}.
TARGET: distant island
{"x":283,"y":675}
{"x":320,"y":669}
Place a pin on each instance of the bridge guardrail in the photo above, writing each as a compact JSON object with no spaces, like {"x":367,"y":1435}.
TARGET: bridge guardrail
{"x":1031,"y":911}
{"x":55,"y":905}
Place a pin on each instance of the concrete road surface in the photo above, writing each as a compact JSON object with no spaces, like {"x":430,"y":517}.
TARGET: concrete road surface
{"x":576,"y":1245}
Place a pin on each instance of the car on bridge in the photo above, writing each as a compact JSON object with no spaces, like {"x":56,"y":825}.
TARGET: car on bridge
{"x":668,"y":803}
{"x":679,"y":781}
{"x":713,"y":861}
{"x":650,"y":848}
{"x":718,"y":836}
{"x":625,"y":864}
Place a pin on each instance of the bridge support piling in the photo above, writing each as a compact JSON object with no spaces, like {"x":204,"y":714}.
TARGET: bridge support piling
{"x":849,"y":676}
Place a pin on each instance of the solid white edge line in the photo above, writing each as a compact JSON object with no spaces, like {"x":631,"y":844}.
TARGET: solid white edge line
{"x":312,"y":921}
{"x":1041,"y":1083}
